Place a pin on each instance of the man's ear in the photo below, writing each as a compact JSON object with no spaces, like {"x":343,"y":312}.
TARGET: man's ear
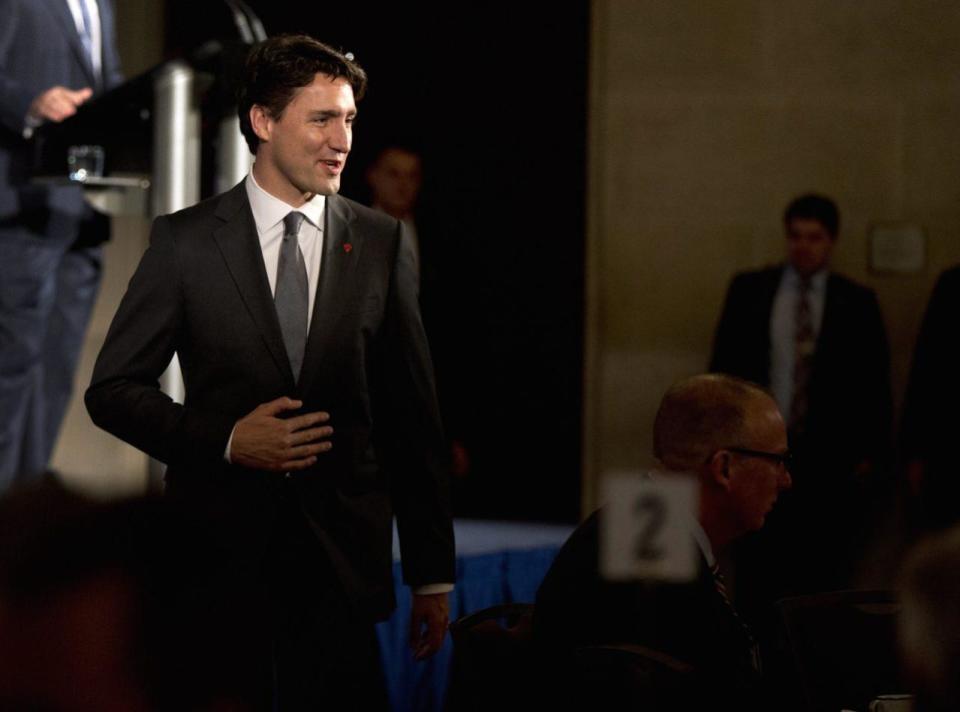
{"x":261,"y":122}
{"x":718,"y":467}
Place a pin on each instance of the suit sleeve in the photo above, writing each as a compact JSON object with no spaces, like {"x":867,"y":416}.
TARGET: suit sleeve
{"x":726,"y":341}
{"x":412,"y":444}
{"x":124,"y":397}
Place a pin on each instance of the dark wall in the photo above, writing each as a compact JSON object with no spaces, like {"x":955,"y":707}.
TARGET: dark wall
{"x":494,"y":96}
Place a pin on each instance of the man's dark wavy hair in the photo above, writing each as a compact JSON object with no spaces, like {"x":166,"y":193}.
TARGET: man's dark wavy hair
{"x":814,"y":207}
{"x":278,"y":66}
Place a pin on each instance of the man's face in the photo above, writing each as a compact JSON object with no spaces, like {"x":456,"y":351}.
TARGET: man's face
{"x":809,"y":245}
{"x":303,"y":152}
{"x":756,"y":481}
{"x":395,"y":181}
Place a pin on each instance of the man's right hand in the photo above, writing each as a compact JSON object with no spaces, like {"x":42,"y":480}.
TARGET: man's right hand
{"x":58,"y":103}
{"x":264,"y":441}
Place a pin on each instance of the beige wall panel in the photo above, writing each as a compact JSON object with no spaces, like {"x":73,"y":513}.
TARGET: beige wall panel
{"x":686,"y":43}
{"x":89,"y":458}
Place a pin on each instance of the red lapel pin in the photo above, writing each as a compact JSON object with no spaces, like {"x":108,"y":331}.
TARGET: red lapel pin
{"x":347,"y":247}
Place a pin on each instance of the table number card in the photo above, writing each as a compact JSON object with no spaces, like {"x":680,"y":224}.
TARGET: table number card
{"x":645,"y":527}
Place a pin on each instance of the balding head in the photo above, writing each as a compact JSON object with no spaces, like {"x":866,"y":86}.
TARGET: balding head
{"x":700,"y":415}
{"x":730,"y":433}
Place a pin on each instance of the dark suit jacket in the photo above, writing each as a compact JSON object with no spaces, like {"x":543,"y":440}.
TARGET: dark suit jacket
{"x":850,"y":404}
{"x":40,"y":49}
{"x":691,"y":622}
{"x":201,"y":290}
{"x":930,"y":417}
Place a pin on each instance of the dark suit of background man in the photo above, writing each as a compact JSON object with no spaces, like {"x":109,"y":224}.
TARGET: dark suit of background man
{"x":54,"y":56}
{"x":301,"y":467}
{"x":731,"y":435}
{"x":817,"y":340}
{"x":930,"y":416}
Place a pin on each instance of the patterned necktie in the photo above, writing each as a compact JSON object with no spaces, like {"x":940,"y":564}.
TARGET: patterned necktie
{"x":804,"y":348}
{"x":291,"y":295}
{"x":721,"y":587}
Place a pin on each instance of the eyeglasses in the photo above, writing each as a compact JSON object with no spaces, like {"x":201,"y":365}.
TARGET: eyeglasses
{"x":781,"y":458}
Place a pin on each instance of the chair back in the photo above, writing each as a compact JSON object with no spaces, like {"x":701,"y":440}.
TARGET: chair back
{"x":628,"y":676}
{"x":494,"y":663}
{"x":843,"y":646}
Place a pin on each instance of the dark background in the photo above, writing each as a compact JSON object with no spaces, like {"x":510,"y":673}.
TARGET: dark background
{"x":494,"y":97}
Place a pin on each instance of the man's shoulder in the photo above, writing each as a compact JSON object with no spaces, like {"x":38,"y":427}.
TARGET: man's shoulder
{"x":756,"y":284}
{"x":755,"y":277}
{"x":222,"y":204}
{"x":849,"y":288}
{"x":949,"y":280}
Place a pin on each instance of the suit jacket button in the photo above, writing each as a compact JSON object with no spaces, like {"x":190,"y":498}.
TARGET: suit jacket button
{"x":287,"y":475}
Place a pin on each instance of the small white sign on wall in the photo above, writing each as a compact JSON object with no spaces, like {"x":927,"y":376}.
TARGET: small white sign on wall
{"x":897,"y":248}
{"x":645,"y":530}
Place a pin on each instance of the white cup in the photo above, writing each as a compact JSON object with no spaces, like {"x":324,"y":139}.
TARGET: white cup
{"x":892,"y":703}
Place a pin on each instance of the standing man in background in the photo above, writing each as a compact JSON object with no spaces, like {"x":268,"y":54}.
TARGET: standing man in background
{"x":55,"y":55}
{"x":310,"y":418}
{"x":395,"y":178}
{"x":817,"y":340}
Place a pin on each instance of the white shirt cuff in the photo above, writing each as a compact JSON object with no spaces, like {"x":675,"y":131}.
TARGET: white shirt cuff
{"x":226,"y":451}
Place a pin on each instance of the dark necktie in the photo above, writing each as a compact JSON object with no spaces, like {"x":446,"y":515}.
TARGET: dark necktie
{"x":291,"y":296}
{"x":722,"y":590}
{"x":804,"y":348}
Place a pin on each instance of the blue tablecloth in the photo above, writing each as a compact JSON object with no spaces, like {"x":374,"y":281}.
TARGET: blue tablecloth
{"x":497,"y":562}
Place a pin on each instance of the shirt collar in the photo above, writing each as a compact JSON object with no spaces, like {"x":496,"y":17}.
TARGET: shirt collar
{"x":696,"y":530}
{"x":703,"y":541}
{"x":269,"y":210}
{"x":818,"y":282}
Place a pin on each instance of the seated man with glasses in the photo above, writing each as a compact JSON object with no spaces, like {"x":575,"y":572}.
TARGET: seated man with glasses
{"x":728,"y":433}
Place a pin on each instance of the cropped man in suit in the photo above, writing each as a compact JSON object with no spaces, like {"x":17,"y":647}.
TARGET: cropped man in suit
{"x":817,"y":340}
{"x":930,"y":419}
{"x":730,"y":434}
{"x":310,"y":418}
{"x":55,"y":55}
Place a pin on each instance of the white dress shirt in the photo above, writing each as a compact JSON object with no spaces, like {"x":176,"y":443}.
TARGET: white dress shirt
{"x":93,"y":12}
{"x":268,"y":214}
{"x":783,"y":317}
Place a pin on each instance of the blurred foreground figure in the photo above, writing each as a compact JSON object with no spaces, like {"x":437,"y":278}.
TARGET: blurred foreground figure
{"x":730,"y":434}
{"x":55,"y":56}
{"x":108,"y":606}
{"x":930,"y":416}
{"x":929,"y":623}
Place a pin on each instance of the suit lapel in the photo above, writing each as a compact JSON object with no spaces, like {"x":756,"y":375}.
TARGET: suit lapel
{"x":69,"y":27}
{"x":830,"y":335}
{"x":237,"y":240}
{"x":770,"y":283}
{"x":341,"y":254}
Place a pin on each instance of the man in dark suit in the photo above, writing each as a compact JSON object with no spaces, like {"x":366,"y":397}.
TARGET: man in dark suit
{"x":817,"y":340}
{"x":55,"y":55}
{"x":310,"y":417}
{"x":731,"y":435}
{"x":930,"y":420}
